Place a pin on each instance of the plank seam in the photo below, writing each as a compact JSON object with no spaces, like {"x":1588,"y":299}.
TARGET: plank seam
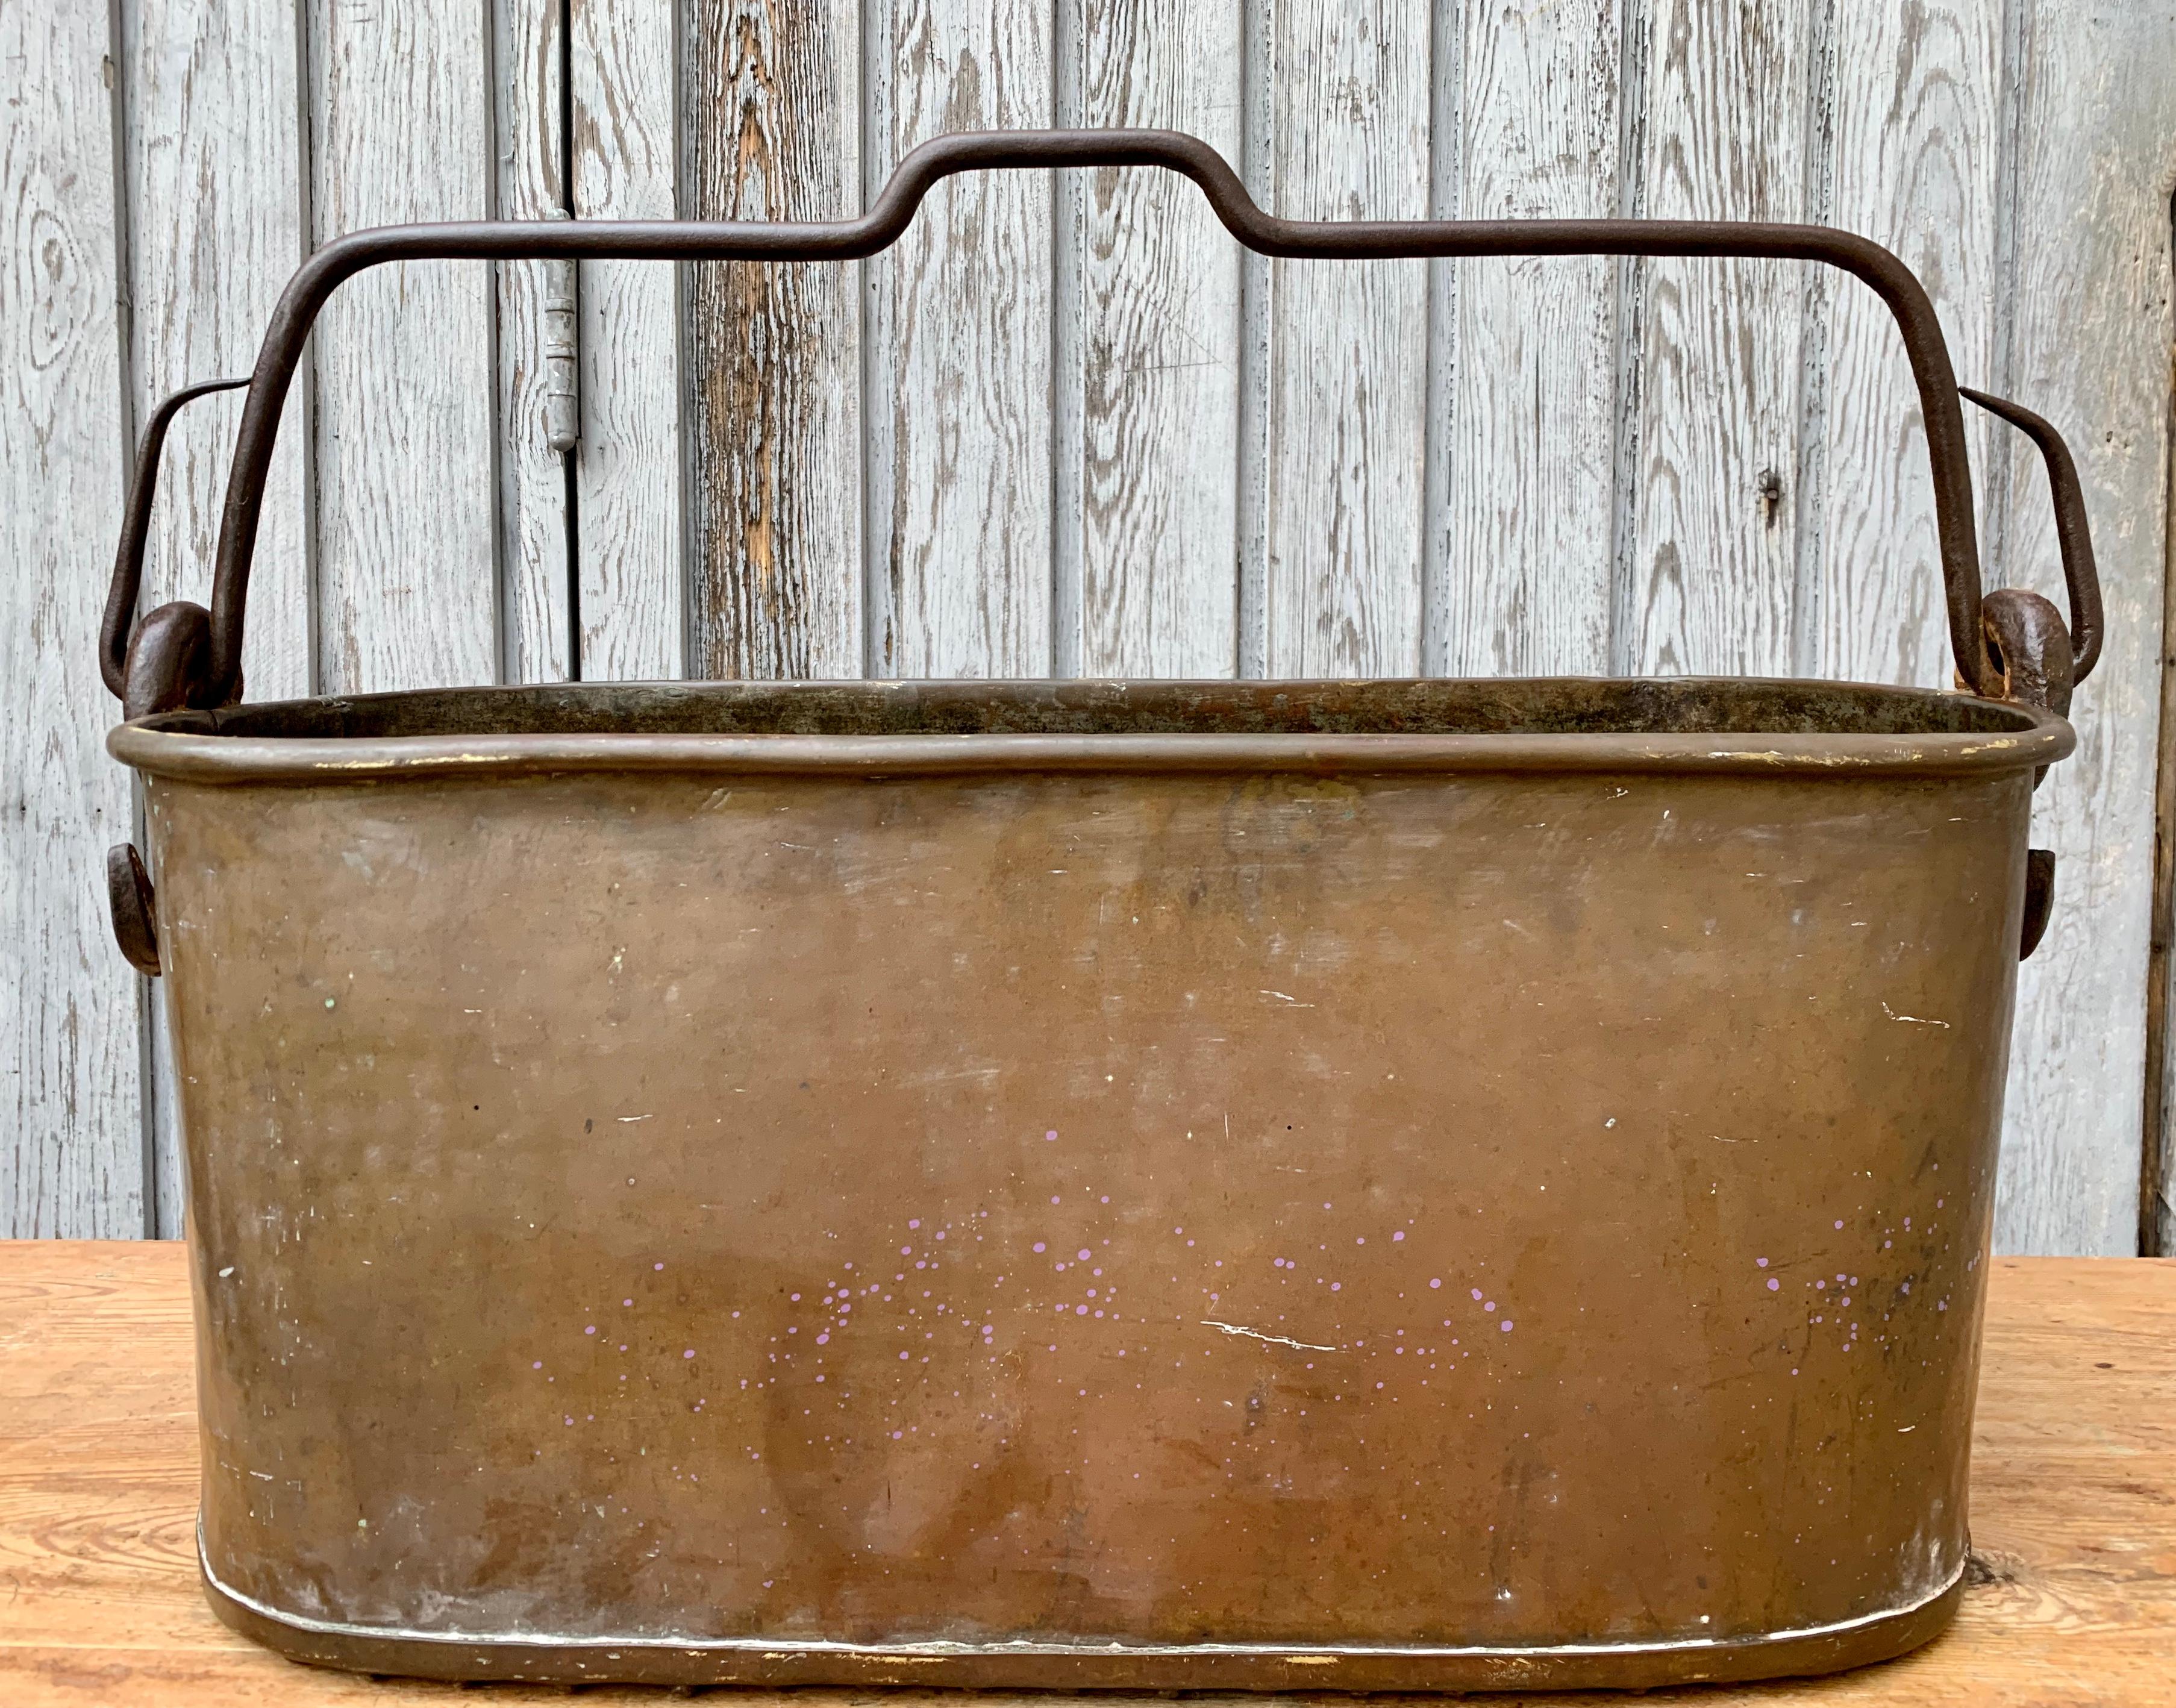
{"x":124,"y":329}
{"x":1439,"y":492}
{"x":306,"y":379}
{"x":1815,"y":305}
{"x":1634,"y":43}
{"x":2157,"y":1178}
{"x":1068,"y":398}
{"x":2000,"y":448}
{"x":1250,"y":629}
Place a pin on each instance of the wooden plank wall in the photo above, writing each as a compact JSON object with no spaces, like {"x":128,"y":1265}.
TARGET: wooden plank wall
{"x":1065,"y":427}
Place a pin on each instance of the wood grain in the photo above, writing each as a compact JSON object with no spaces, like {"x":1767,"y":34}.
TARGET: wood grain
{"x":1707,"y":564}
{"x":1148,"y":378}
{"x":534,"y":552}
{"x":212,"y":152}
{"x":2072,"y":1595}
{"x":2088,"y":341}
{"x":1346,"y":385}
{"x":407,"y":492}
{"x":627,"y":467}
{"x":773,"y":92}
{"x":1524,"y":393}
{"x":958,"y":427}
{"x":1915,"y":119}
{"x":73,"y":1162}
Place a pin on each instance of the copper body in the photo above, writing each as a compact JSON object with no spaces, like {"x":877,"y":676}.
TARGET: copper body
{"x":1350,"y":1186}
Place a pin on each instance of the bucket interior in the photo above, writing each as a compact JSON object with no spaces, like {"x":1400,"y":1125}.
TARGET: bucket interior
{"x":1525,"y":706}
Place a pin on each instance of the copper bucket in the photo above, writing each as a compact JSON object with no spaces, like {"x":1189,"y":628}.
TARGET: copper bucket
{"x":1406,"y":1185}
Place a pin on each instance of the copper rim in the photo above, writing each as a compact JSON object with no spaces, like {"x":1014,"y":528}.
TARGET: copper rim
{"x":1832,"y":729}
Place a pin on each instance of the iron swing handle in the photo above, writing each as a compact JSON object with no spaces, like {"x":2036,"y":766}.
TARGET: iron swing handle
{"x":184,"y":656}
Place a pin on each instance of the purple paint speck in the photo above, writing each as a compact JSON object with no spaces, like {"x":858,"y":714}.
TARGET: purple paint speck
{"x":1050,"y":1135}
{"x":1399,"y":1235}
{"x":1490,"y":1305}
{"x":1039,"y":1245}
{"x":658,"y":1265}
{"x":1839,"y":1224}
{"x":1773,"y":1284}
{"x":1477,"y":1293}
{"x":796,"y":1297}
{"x":591,"y":1330}
{"x":1505,"y":1325}
{"x":1084,"y":1253}
{"x":1054,"y":1198}
{"x":689,"y":1353}
{"x":1336,"y":1286}
{"x":1435,"y":1282}
{"x":1760,"y":1263}
{"x":1080,"y":1310}
{"x":823,"y":1337}
{"x":538,"y":1365}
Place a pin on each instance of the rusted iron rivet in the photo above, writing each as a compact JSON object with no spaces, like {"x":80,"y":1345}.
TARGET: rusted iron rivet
{"x":2028,"y":649}
{"x":169,"y":661}
{"x":135,"y":907}
{"x":2039,"y":898}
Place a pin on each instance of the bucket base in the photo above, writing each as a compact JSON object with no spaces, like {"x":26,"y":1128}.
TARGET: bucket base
{"x":1028,"y":1666}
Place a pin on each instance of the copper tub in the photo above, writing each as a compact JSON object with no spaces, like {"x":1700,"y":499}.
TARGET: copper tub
{"x":1416,"y":1185}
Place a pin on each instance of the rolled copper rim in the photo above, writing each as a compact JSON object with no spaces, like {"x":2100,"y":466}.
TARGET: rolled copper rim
{"x":476,"y":732}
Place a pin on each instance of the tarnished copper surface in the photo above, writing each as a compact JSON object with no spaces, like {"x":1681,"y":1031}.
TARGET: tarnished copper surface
{"x":1171,"y":1189}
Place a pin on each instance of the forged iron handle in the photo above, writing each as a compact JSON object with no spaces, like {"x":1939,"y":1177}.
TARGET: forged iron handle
{"x":114,"y":633}
{"x":2074,"y":538}
{"x":218,"y":681}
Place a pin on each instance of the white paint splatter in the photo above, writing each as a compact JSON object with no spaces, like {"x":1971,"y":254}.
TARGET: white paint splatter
{"x":1914,"y":1020}
{"x":1256,"y":1334}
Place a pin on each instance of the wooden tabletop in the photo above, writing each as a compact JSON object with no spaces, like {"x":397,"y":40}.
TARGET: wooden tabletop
{"x":2072,"y":1596}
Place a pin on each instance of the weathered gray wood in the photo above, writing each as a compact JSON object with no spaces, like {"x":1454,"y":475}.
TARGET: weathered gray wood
{"x":959,"y":422}
{"x":627,"y":467}
{"x":1523,"y":394}
{"x":2087,"y":343}
{"x":72,"y":1161}
{"x":1148,"y":382}
{"x":1346,"y":387}
{"x":537,"y":565}
{"x":1915,"y":113}
{"x":212,"y":139}
{"x":1707,"y":565}
{"x":407,"y":489}
{"x":773,"y":96}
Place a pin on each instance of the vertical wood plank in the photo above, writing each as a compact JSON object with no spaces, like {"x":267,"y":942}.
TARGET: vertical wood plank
{"x":627,"y":466}
{"x":1917,"y":117}
{"x":537,"y":564}
{"x":73,"y":1162}
{"x":407,"y":490}
{"x":1706,"y":574}
{"x":773,"y":96}
{"x":1348,"y":390}
{"x":212,"y":139}
{"x":960,"y":326}
{"x":1153,"y":292}
{"x":1519,"y":537}
{"x":2088,"y":345}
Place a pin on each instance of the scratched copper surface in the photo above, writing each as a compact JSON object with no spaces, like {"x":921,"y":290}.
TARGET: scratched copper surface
{"x":1497,"y":1210}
